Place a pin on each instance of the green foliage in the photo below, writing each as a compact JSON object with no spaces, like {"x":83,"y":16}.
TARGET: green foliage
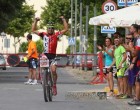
{"x":68,"y":50}
{"x":22,"y":22}
{"x":23,"y":47}
{"x":39,"y":45}
{"x":8,"y":9}
{"x":100,"y":36}
{"x":77,"y":45}
{"x":54,"y":10}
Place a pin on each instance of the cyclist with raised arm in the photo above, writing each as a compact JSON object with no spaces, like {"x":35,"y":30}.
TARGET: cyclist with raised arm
{"x":50,"y":39}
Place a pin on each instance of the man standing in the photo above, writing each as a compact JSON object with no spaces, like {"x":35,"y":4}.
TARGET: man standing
{"x":32,"y":60}
{"x":50,"y":39}
{"x":120,"y":61}
{"x":136,"y":63}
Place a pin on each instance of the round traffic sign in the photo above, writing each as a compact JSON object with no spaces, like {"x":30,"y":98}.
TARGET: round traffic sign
{"x":109,"y":6}
{"x":13,"y":59}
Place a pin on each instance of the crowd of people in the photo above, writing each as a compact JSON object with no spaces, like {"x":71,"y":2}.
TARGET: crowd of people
{"x":124,"y":54}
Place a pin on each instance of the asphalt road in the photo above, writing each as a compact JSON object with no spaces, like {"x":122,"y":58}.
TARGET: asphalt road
{"x":14,"y":95}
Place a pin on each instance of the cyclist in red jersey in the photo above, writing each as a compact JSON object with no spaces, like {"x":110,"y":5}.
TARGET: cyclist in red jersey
{"x":50,"y":39}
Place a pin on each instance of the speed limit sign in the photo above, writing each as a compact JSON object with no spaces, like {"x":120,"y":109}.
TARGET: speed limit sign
{"x":109,"y":6}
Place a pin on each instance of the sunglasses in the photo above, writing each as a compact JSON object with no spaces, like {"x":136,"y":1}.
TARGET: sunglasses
{"x":50,"y":28}
{"x":129,"y":38}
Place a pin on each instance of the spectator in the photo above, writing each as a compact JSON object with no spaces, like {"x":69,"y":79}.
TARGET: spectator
{"x":120,"y":61}
{"x":135,"y":63}
{"x":130,"y":80}
{"x":108,"y":58}
{"x":32,"y":60}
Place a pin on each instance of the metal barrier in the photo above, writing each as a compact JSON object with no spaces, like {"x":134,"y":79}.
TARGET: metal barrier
{"x":73,"y":60}
{"x":100,"y":77}
{"x":83,"y":61}
{"x":13,"y":60}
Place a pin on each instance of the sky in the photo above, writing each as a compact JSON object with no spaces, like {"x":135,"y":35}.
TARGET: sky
{"x":37,"y":5}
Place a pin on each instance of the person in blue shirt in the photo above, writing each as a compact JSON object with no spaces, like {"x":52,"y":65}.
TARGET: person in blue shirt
{"x":108,"y":59}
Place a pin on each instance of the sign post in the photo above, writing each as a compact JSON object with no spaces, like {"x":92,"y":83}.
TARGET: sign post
{"x":71,"y":41}
{"x":122,"y":3}
{"x":107,"y":29}
{"x":107,"y":7}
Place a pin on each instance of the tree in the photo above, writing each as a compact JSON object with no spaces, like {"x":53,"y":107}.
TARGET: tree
{"x":24,"y":46}
{"x":8,"y":9}
{"x":55,"y":9}
{"x":21,"y":23}
{"x":39,"y":45}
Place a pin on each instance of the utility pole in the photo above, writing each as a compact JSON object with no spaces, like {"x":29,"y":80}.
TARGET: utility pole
{"x":80,"y":43}
{"x":81,"y":28}
{"x":75,"y":24}
{"x":126,"y":29}
{"x":95,"y":42}
{"x":86,"y":37}
{"x":71,"y":31}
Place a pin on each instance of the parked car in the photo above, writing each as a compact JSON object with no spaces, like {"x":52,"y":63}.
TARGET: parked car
{"x":2,"y":62}
{"x":89,"y":62}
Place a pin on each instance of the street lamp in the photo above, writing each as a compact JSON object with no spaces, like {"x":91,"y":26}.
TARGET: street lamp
{"x":3,"y":35}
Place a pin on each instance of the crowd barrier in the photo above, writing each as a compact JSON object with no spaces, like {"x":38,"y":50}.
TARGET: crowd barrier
{"x":82,"y":61}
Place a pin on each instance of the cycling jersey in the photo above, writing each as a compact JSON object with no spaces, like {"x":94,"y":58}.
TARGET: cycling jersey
{"x":49,"y":41}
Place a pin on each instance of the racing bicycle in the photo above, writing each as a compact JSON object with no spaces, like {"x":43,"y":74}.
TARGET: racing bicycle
{"x":47,"y":77}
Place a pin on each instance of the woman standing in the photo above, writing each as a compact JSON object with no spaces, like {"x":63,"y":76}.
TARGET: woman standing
{"x":108,"y":59}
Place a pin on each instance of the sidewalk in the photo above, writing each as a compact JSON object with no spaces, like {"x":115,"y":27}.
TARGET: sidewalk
{"x":92,"y":94}
{"x":80,"y":74}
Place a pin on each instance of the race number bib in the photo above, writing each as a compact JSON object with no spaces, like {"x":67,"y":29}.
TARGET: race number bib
{"x":44,"y":63}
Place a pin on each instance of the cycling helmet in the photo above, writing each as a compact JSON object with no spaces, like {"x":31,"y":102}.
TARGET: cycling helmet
{"x":50,"y":24}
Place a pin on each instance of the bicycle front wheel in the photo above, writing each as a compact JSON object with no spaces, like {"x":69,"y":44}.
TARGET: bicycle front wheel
{"x":47,"y":87}
{"x":50,"y":94}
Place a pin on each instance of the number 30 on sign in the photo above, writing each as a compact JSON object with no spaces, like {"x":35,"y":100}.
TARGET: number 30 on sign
{"x":109,"y":6}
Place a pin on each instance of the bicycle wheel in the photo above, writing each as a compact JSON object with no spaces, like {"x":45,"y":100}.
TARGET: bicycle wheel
{"x":47,"y":88}
{"x":45,"y":85}
{"x":50,"y":83}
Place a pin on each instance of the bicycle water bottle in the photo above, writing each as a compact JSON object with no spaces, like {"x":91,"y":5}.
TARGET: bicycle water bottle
{"x":33,"y":64}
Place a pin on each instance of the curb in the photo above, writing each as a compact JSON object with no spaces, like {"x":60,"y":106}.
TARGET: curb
{"x":86,"y":95}
{"x":106,"y":89}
